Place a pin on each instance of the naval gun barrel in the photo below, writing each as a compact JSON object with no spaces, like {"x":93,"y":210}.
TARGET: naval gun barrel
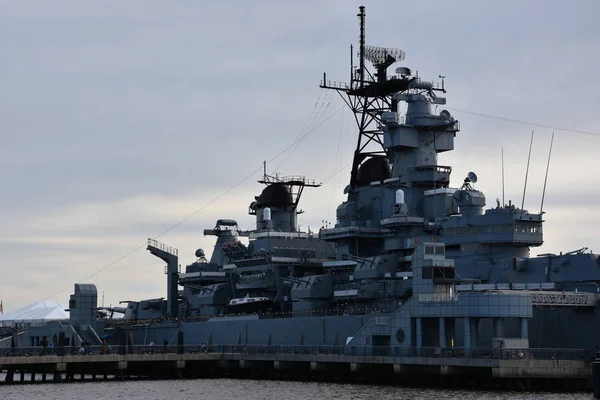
{"x":120,"y":310}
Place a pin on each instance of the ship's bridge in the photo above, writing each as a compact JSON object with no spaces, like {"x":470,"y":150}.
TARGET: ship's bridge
{"x":503,"y":225}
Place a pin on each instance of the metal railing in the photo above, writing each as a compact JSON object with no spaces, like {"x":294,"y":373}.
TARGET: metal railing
{"x":163,"y":247}
{"x":562,"y":299}
{"x":382,"y":321}
{"x":333,"y":350}
{"x":336,"y":85}
{"x":291,"y":179}
{"x":430,"y":297}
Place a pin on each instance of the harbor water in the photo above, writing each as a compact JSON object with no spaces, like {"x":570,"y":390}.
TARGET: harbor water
{"x":254,"y":390}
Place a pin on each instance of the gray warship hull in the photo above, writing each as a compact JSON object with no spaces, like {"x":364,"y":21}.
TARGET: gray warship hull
{"x":561,"y":327}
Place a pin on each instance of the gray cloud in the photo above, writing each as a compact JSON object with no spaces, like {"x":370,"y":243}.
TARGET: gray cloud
{"x":119,"y":119}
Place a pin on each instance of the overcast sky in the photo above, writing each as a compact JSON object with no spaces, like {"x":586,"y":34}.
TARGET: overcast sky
{"x":118,"y":119}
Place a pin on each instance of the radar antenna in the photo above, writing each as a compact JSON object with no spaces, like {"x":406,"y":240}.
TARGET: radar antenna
{"x":383,"y":55}
{"x":472,"y":177}
{"x":382,"y":58}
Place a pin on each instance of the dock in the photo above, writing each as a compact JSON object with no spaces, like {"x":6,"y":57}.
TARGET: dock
{"x":527,"y":369}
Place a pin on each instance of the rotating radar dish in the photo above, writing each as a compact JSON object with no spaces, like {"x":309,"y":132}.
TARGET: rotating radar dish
{"x":383,"y":55}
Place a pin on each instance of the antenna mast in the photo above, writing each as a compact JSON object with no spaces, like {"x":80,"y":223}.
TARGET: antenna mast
{"x":351,"y":63}
{"x":361,"y":14}
{"x":368,"y":95}
{"x":546,"y":177}
{"x":526,"y":174}
{"x":503,"y":203}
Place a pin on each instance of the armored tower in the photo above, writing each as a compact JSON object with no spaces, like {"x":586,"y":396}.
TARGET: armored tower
{"x":395,"y":165}
{"x":398,"y":192}
{"x":276,"y":209}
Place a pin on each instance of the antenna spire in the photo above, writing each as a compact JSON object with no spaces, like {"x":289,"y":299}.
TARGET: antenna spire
{"x":526,"y":174}
{"x":351,"y":63}
{"x":503,"y":203}
{"x":546,"y":177}
{"x":362,"y":14}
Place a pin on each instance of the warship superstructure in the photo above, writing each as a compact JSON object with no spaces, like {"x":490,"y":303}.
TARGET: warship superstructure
{"x":410,"y":261}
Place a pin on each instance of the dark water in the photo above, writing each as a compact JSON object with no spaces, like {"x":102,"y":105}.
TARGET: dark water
{"x":252,"y":390}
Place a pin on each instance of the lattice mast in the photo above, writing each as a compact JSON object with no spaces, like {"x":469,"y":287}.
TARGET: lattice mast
{"x":368,"y":95}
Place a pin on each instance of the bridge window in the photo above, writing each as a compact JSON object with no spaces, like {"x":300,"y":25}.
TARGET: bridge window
{"x":443,"y":272}
{"x":431,"y":249}
{"x":438,"y":273}
{"x":453,"y":247}
{"x":528,"y":228}
{"x":440,"y":250}
{"x":427,"y":273}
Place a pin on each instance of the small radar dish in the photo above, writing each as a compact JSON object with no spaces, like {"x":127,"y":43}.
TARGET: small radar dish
{"x":446,"y":115}
{"x":472,"y":177}
{"x":347,"y":189}
{"x":403,"y":71}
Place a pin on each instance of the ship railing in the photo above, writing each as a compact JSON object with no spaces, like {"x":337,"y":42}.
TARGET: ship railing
{"x":503,"y":353}
{"x":426,"y":168}
{"x":295,"y":178}
{"x":431,"y":297}
{"x":164,"y":247}
{"x":336,"y":85}
{"x":333,"y":350}
{"x":114,"y":322}
{"x":344,"y":286}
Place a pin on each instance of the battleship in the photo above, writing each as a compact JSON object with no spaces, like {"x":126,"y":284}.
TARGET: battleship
{"x":410,"y":262}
